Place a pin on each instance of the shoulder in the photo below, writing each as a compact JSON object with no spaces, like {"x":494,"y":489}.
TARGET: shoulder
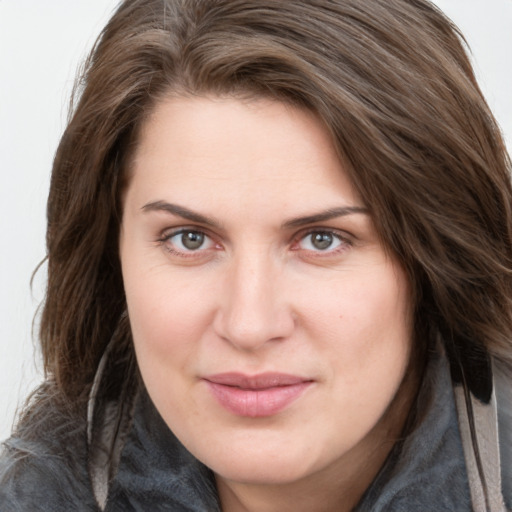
{"x":43,"y":465}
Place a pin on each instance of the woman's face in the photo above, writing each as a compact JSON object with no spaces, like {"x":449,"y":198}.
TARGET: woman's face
{"x":272,"y":329}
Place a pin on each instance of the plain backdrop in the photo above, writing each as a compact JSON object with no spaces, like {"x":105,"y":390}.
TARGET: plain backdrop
{"x":42,"y":44}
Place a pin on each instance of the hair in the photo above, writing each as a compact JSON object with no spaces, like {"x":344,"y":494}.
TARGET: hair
{"x":392,"y":82}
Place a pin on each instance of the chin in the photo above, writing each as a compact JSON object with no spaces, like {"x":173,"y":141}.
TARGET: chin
{"x":262,"y":470}
{"x":264,"y":462}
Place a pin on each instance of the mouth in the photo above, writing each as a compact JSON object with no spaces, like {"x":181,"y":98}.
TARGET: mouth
{"x":256,"y":396}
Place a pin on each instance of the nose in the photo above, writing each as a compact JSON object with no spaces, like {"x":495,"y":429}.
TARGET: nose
{"x":254,"y":309}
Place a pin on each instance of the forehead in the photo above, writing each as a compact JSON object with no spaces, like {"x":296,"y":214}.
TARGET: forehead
{"x":208,"y":148}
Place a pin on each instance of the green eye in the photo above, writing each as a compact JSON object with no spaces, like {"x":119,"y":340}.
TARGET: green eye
{"x":188,"y":240}
{"x":192,"y":240}
{"x":321,"y":241}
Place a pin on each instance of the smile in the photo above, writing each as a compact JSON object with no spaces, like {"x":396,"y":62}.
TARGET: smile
{"x":256,"y":396}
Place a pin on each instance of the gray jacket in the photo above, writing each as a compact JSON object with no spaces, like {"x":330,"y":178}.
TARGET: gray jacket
{"x":121,"y":457}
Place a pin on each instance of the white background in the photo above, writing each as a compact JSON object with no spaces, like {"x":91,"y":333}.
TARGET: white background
{"x":41,"y":46}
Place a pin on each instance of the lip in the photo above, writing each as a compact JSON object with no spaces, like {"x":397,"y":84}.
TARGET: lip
{"x":256,"y":396}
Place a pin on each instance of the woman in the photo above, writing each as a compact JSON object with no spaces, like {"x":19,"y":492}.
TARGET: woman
{"x":279,"y":253}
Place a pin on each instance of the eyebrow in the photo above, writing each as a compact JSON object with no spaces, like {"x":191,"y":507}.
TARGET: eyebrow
{"x":328,"y":214}
{"x":180,"y":211}
{"x":185,"y":213}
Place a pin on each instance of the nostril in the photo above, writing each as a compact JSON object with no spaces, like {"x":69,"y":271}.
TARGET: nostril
{"x":250,"y":329}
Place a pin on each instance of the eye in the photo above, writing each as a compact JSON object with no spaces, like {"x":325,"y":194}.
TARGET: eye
{"x":187,"y":241}
{"x":322,"y":241}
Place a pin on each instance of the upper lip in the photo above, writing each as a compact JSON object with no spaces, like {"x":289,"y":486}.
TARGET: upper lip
{"x":256,"y":382}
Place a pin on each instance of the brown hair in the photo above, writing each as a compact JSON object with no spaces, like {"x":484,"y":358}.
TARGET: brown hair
{"x":392,"y":82}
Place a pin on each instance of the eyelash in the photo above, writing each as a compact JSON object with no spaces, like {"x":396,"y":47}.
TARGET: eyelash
{"x":167,"y":236}
{"x":343,"y":238}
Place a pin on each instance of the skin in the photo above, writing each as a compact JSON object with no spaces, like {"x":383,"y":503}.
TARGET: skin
{"x":256,"y":294}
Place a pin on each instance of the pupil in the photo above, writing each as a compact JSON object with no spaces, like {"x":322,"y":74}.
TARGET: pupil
{"x":322,"y":240}
{"x":192,"y":240}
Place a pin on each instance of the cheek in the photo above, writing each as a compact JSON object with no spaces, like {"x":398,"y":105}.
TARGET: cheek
{"x":362,"y":325}
{"x":168,"y":322}
{"x":360,"y":310}
{"x":168,"y":313}
{"x":368,"y":343}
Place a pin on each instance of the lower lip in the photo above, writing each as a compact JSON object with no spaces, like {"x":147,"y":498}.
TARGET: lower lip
{"x":257,"y":403}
